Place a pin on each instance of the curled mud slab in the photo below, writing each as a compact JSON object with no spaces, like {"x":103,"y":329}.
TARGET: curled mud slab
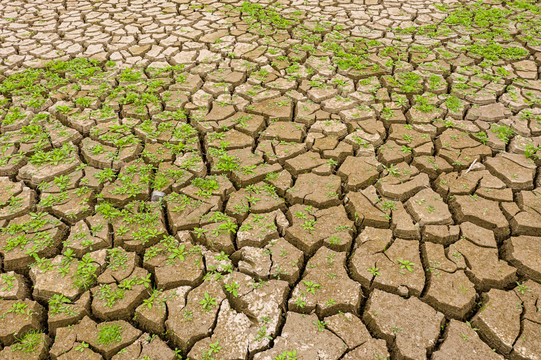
{"x":270,"y":180}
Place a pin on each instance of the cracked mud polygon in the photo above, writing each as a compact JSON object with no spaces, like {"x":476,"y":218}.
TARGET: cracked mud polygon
{"x":285,"y":180}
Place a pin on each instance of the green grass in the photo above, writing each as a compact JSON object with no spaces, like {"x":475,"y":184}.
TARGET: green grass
{"x":109,"y":334}
{"x":29,"y":343}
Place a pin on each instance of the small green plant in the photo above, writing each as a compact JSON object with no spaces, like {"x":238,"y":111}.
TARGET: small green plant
{"x":178,"y":253}
{"x":406,"y":264}
{"x":454,"y":104}
{"x":57,"y":305}
{"x":320,"y":325}
{"x":85,"y":274}
{"x":19,"y":308}
{"x":388,"y":205}
{"x":83,"y":101}
{"x":406,"y":149}
{"x":29,"y":343}
{"x":208,"y":302}
{"x":154,"y":299}
{"x":392,"y":170}
{"x":262,"y":334}
{"x":129,"y":74}
{"x":482,"y":137}
{"x":308,"y":225}
{"x":503,"y":132}
{"x":213,"y":349}
{"x":530,"y":151}
{"x":8,"y":281}
{"x":232,"y":288}
{"x":287,"y":355}
{"x":522,"y":288}
{"x":81,"y":347}
{"x":311,"y":286}
{"x":109,"y":334}
{"x":334,"y":240}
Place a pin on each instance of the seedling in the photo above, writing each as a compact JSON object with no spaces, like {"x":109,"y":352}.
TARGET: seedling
{"x":109,"y":334}
{"x":28,"y":343}
{"x":320,"y":325}
{"x":406,"y":264}
{"x":208,"y":302}
{"x":232,"y":288}
{"x":311,"y":286}
{"x":374,"y":271}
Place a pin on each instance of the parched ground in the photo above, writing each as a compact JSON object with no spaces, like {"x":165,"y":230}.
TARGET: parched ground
{"x":288,"y":180}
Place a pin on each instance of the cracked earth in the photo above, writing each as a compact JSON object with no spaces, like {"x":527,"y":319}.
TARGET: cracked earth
{"x":235,"y":180}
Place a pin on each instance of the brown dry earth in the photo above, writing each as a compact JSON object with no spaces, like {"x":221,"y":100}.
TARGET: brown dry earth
{"x":315,"y":180}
